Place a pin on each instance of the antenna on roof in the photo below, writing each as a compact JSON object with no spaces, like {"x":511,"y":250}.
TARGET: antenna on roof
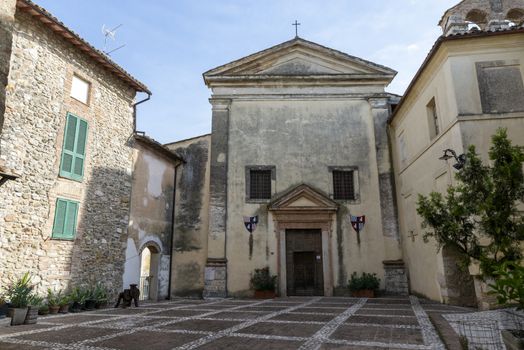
{"x":110,"y":34}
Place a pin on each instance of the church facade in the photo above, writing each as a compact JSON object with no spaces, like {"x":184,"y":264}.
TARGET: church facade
{"x":299,"y":146}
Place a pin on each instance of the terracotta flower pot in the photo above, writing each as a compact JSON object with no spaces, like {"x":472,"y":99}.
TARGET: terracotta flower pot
{"x":363,"y":293}
{"x":265,"y":294}
{"x":53,"y":310}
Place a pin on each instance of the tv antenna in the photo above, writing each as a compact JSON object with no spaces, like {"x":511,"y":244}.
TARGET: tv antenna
{"x":110,"y":34}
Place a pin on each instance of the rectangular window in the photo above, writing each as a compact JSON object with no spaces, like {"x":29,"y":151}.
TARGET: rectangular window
{"x":64,"y":225}
{"x":74,"y":148}
{"x":434,"y":129}
{"x":80,"y":89}
{"x":260,"y":184}
{"x":343,"y":185}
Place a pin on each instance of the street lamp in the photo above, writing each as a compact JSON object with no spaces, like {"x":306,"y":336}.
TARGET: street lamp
{"x":461,"y":159}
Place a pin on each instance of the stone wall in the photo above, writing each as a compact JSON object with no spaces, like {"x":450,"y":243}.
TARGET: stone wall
{"x":7,"y":12}
{"x":37,"y":102}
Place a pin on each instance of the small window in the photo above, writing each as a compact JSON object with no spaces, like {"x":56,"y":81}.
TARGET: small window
{"x":74,"y":148}
{"x":434,"y":129}
{"x":343,"y":185}
{"x":80,"y":89}
{"x":260,"y":184}
{"x":64,"y":225}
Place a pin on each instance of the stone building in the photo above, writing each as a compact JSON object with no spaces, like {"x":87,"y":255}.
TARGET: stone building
{"x":470,"y":84}
{"x":66,"y":128}
{"x":299,"y":141}
{"x":149,"y":236}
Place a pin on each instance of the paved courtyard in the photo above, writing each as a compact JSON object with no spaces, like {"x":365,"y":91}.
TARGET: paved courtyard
{"x":283,"y":323}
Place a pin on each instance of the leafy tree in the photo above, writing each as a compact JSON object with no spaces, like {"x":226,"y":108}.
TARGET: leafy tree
{"x":479,"y":216}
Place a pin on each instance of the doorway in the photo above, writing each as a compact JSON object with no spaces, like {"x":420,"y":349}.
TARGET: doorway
{"x":304,"y":265}
{"x":149,"y":261}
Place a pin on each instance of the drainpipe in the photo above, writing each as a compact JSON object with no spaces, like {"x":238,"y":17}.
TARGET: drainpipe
{"x":172,"y":235}
{"x":134,"y":109}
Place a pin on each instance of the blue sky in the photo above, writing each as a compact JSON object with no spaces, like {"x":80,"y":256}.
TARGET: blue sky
{"x":170,"y":43}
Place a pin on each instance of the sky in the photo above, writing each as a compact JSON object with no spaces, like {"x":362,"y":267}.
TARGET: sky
{"x":170,"y":43}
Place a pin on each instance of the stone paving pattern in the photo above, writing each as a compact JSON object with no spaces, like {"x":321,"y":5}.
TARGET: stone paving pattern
{"x":283,"y":323}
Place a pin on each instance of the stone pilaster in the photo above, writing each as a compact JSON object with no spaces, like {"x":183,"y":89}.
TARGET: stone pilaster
{"x":388,"y":205}
{"x":215,"y":281}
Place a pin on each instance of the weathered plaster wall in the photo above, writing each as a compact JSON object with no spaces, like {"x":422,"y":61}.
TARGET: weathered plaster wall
{"x":302,"y":138}
{"x":151,"y":216}
{"x":191,"y":216}
{"x":36,"y":105}
{"x":451,"y":79}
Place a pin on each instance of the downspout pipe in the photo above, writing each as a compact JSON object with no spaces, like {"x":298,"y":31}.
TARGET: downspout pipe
{"x":134,"y":109}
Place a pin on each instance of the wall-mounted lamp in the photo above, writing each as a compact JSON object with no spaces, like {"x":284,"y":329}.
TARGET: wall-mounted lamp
{"x":461,"y":159}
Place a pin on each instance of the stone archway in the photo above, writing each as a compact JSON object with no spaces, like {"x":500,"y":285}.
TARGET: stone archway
{"x":149,"y":269}
{"x":307,"y":210}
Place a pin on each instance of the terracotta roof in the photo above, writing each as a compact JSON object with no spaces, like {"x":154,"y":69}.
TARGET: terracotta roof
{"x":74,"y":39}
{"x":158,"y":147}
{"x":472,"y":34}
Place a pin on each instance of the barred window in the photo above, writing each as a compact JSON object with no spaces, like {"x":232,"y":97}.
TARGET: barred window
{"x":343,"y":185}
{"x":260,"y":184}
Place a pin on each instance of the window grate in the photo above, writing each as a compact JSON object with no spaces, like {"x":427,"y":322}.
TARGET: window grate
{"x":343,"y":186}
{"x":260,"y":184}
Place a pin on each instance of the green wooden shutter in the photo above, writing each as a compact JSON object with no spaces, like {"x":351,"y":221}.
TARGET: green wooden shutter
{"x":74,"y":148}
{"x":66,"y":213}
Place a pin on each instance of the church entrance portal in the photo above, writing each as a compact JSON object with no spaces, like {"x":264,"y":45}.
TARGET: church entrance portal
{"x":304,"y":269}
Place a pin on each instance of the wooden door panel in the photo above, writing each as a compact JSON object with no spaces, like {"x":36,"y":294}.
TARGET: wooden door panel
{"x":304,"y":270}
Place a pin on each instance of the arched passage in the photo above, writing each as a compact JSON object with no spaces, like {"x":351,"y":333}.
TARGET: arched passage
{"x":477,"y":18}
{"x":149,"y":267}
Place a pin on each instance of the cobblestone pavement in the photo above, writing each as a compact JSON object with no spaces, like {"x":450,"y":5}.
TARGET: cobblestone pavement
{"x":283,"y":323}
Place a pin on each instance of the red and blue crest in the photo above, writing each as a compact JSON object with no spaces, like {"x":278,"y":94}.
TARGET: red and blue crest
{"x":358,"y":222}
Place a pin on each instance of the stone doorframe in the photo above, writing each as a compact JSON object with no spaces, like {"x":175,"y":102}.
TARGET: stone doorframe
{"x":304,"y":208}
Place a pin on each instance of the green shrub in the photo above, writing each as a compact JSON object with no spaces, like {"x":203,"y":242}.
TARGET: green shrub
{"x":262,"y":280}
{"x":509,"y":284}
{"x":366,"y":281}
{"x":19,"y":293}
{"x":53,"y":299}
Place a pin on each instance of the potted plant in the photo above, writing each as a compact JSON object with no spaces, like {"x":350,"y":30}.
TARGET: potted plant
{"x":63,"y":302}
{"x":77,"y":298}
{"x":43,"y":310}
{"x":263,"y":283}
{"x":363,"y":286}
{"x":3,"y":308}
{"x":509,"y":289}
{"x":35,"y":302}
{"x":19,"y":294}
{"x":100,"y":295}
{"x":90,"y":301}
{"x":53,"y":301}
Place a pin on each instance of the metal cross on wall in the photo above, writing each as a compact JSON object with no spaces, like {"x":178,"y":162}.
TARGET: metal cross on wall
{"x":412,"y":235}
{"x":296,"y":24}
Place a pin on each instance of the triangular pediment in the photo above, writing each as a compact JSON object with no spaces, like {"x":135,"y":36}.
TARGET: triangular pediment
{"x":303,"y":197}
{"x":299,"y":58}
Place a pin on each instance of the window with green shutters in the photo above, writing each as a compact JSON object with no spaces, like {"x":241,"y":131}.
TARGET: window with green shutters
{"x":74,"y":148}
{"x":66,"y":212}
